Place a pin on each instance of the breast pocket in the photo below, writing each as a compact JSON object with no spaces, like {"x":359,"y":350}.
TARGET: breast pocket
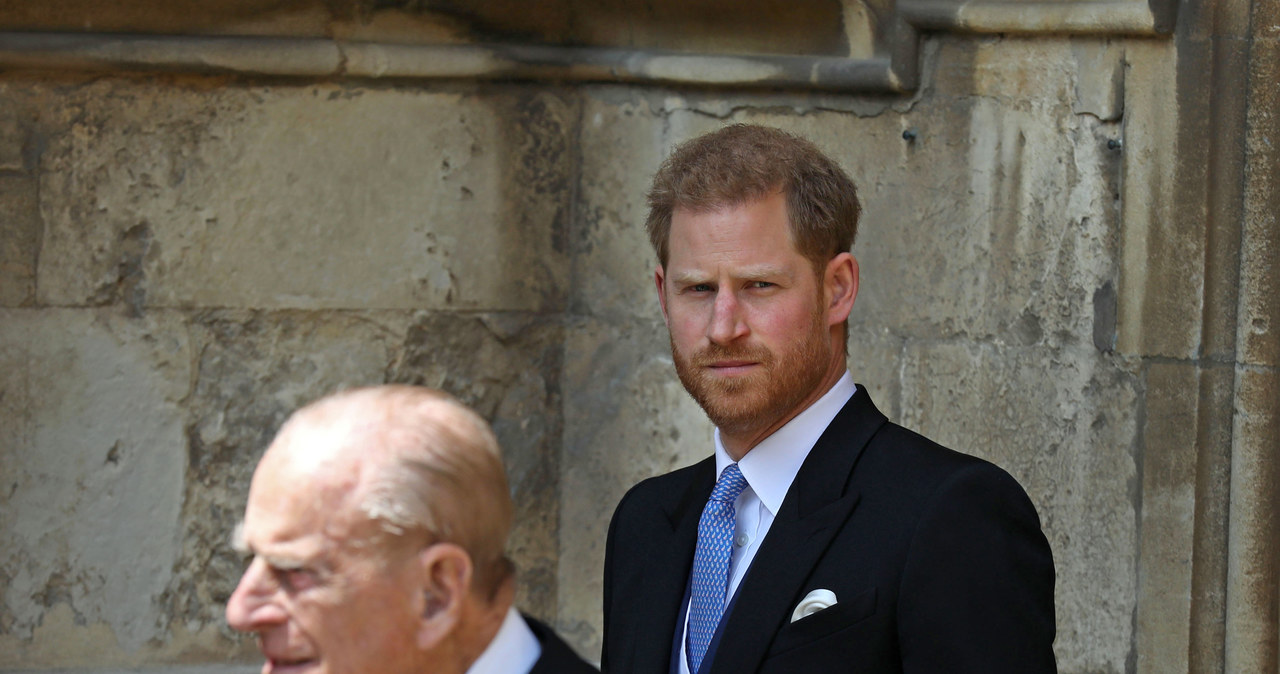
{"x":824,"y":623}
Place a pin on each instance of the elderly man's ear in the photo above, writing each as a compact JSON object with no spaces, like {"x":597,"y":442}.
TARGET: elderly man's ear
{"x":446,"y":579}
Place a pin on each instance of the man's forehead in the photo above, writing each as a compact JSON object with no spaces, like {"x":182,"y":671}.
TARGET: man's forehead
{"x":297,"y":523}
{"x":300,"y":488}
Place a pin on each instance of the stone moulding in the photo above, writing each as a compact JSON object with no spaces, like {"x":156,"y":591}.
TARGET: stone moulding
{"x":320,"y":57}
{"x":891,"y":68}
{"x":1104,"y":17}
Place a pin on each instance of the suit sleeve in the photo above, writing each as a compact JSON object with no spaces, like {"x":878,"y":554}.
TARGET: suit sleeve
{"x":977,"y":587}
{"x":609,"y":560}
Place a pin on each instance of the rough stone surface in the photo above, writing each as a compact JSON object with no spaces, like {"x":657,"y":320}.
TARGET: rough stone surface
{"x":1260,"y":302}
{"x":91,"y":471}
{"x":20,"y":246}
{"x":610,"y":246}
{"x":508,"y":368}
{"x":1063,"y":423}
{"x":162,"y":196}
{"x":13,"y":141}
{"x":252,"y":369}
{"x":1253,"y":559}
{"x":1159,"y":289}
{"x":1063,"y":270}
{"x":627,"y":418}
{"x":1168,"y":516}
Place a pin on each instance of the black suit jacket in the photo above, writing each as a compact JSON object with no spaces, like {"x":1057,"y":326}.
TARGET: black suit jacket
{"x":557,"y":657}
{"x":936,"y":559}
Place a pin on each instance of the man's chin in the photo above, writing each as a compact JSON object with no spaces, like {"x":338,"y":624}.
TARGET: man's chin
{"x":732,"y":416}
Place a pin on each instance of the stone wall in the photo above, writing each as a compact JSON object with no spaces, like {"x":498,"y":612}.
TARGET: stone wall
{"x":1046,"y":262}
{"x":208,"y":257}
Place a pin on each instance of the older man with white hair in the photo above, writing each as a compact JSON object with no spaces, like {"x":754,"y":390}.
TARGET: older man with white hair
{"x":377,"y":522}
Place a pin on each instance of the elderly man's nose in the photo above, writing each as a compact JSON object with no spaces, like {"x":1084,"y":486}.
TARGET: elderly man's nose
{"x":252,"y":606}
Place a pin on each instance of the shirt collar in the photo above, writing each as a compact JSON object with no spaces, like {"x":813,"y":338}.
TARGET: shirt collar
{"x":771,"y":466}
{"x":513,"y":649}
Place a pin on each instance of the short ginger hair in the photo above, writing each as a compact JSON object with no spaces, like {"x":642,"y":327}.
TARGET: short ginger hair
{"x":745,"y":162}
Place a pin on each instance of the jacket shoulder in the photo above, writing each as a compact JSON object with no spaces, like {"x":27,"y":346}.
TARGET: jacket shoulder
{"x":557,"y":657}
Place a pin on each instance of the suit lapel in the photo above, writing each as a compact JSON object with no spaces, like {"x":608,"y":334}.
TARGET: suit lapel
{"x":814,"y":510}
{"x":667,"y":566}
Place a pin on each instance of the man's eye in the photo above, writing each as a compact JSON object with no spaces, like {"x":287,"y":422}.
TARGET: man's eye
{"x":295,"y":579}
{"x":761,"y":284}
{"x":301,"y":579}
{"x":700,"y":288}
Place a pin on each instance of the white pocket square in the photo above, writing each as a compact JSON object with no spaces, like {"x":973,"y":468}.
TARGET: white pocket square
{"x":812,"y":603}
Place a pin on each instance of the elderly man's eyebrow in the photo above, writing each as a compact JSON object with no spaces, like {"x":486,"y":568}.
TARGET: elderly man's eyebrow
{"x":275,"y":561}
{"x":238,"y":543}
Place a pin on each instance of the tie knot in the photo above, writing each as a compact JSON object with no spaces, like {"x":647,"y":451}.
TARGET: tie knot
{"x":730,"y":484}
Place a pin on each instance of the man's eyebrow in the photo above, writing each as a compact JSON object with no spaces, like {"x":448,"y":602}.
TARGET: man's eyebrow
{"x":238,"y":543}
{"x":753,"y":273}
{"x":283,"y":563}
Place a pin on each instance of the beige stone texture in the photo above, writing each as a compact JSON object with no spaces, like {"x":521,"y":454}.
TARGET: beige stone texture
{"x":92,"y":471}
{"x":1168,"y":516}
{"x":13,"y":140}
{"x":1063,"y":422}
{"x":1253,"y":555}
{"x":1260,"y":296}
{"x":1068,"y":266}
{"x":610,"y":246}
{"x":508,"y":367}
{"x":1162,"y":270}
{"x":251,"y":197}
{"x":1208,"y":571}
{"x":627,"y":418}
{"x":19,"y":248}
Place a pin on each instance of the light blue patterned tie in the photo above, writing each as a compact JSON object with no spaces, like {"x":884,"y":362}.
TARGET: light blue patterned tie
{"x":711,"y":563}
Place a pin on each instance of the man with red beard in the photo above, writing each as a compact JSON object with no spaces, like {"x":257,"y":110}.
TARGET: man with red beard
{"x":818,"y":537}
{"x":376,"y":528}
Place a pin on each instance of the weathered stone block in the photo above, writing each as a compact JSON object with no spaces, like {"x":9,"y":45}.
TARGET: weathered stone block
{"x":20,"y":241}
{"x":1252,"y":573}
{"x":1099,"y":74}
{"x":13,"y":138}
{"x":91,"y":482}
{"x":875,"y":361}
{"x":1064,"y":423}
{"x":626,"y":418}
{"x":1010,"y":238}
{"x":252,"y":370}
{"x":610,"y":246}
{"x":1164,"y":239}
{"x":1259,"y":334}
{"x":507,"y":367}
{"x":1167,"y":527}
{"x":291,"y":197}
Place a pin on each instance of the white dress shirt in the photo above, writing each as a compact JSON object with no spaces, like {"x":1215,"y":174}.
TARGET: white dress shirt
{"x":514,"y":649}
{"x":769,"y":469}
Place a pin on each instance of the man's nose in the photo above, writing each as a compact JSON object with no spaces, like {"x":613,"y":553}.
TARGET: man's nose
{"x":253,"y":606}
{"x":727,"y":320}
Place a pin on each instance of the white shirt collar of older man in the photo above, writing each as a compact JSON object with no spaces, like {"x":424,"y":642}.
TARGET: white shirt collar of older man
{"x":514,"y":649}
{"x":771,"y":466}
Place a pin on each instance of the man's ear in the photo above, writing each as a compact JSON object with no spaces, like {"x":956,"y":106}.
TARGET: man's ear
{"x":445,"y":582}
{"x":840,"y":285}
{"x":659,"y":275}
